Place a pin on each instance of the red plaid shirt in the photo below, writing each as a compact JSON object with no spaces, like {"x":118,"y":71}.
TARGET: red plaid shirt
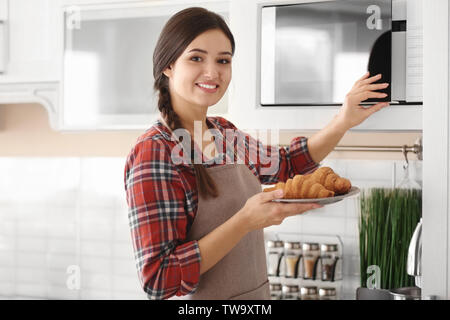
{"x":162,"y":199}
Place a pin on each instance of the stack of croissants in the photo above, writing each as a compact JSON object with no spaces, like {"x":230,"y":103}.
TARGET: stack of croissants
{"x":322,"y":183}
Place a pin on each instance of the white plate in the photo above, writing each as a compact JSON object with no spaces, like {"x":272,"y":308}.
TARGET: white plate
{"x":353,"y":192}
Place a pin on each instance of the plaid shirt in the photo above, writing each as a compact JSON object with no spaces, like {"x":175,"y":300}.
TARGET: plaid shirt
{"x":162,"y":199}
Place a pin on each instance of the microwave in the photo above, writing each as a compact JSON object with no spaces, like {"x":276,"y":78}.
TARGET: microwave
{"x":311,"y":53}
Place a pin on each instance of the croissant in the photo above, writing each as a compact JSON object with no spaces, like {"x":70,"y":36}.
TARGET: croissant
{"x":330,"y":180}
{"x":279,"y":185}
{"x":322,"y":183}
{"x":301,"y":188}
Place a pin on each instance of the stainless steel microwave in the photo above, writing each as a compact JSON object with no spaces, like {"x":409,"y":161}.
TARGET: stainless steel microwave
{"x":311,"y":53}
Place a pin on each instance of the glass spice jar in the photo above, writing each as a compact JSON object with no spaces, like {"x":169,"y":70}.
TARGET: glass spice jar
{"x":275,"y":291}
{"x":328,"y":257}
{"x":311,"y":252}
{"x":327,"y":293}
{"x":292,"y":253}
{"x":274,"y":254}
{"x":308,"y":293}
{"x":290,"y":292}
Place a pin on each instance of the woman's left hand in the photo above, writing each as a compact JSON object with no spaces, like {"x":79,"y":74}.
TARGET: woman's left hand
{"x":352,"y":114}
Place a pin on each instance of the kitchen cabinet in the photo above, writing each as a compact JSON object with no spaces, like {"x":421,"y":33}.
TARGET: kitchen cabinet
{"x":31,"y":40}
{"x":3,"y":38}
{"x":45,"y":64}
{"x":436,"y":155}
{"x":29,"y":57}
{"x":245,"y":107}
{"x":107,"y":80}
{"x":88,"y":63}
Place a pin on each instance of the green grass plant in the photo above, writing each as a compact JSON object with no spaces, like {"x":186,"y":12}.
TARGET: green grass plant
{"x":387,"y":221}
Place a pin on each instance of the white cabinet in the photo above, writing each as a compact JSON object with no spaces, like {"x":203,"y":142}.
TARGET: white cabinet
{"x":245,"y":107}
{"x":89,"y":63}
{"x":107,"y":80}
{"x":85,"y":85}
{"x":3,"y":34}
{"x":436,"y":155}
{"x":30,"y":59}
{"x":32,"y":54}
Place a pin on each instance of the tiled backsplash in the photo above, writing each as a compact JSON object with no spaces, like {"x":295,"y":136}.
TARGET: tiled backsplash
{"x":67,"y":217}
{"x":60,"y":216}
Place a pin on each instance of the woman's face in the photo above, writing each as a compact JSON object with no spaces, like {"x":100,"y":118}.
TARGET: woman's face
{"x":201,"y":75}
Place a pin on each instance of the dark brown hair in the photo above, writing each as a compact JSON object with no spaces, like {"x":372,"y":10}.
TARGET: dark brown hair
{"x":181,"y":29}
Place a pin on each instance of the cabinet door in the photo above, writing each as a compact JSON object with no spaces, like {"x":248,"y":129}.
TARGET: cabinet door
{"x":108,"y":64}
{"x":436,"y":156}
{"x":30,"y":34}
{"x":3,"y":39}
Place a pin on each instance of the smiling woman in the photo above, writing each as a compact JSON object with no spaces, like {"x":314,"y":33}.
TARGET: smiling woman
{"x":197,"y":225}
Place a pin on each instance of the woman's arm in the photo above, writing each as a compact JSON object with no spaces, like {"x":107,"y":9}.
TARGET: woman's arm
{"x":258,"y":212}
{"x":324,"y":141}
{"x":158,"y":217}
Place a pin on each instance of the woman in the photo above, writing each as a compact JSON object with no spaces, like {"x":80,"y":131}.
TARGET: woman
{"x":197,"y":227}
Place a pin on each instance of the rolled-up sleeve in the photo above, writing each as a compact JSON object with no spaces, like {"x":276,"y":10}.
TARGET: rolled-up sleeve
{"x":280,"y":163}
{"x":167,"y":265}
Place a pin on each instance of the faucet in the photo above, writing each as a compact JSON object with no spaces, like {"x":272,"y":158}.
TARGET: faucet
{"x":414,"y":263}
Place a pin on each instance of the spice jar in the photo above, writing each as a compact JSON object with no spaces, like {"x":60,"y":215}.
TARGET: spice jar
{"x":327,"y":293}
{"x":308,"y":293}
{"x":311,"y":253}
{"x":329,"y":257}
{"x":275,"y":291}
{"x":292,"y":253}
{"x":290,"y":292}
{"x":274,"y":254}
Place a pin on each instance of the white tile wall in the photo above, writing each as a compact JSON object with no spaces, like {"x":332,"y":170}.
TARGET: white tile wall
{"x":341,"y":219}
{"x":58,"y":212}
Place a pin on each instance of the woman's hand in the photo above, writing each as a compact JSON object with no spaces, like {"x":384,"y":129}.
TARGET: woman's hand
{"x":260,"y":212}
{"x":352,"y":114}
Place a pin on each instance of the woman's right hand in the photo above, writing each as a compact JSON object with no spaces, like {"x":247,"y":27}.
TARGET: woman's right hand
{"x":260,"y":211}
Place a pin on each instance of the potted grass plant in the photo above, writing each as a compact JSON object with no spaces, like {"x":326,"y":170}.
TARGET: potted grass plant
{"x":387,"y":221}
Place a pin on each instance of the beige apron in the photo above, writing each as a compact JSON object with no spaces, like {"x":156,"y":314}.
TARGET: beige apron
{"x":242,"y":273}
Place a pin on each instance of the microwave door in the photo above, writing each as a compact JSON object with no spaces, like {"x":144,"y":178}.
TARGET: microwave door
{"x":312,"y":53}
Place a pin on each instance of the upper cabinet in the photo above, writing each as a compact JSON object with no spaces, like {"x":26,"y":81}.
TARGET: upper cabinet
{"x":3,"y":38}
{"x":108,"y":63}
{"x":89,"y":62}
{"x":29,"y":41}
{"x":296,"y":60}
{"x":30,"y":56}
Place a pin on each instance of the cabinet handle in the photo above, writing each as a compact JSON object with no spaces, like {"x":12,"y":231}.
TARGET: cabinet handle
{"x":3,"y":46}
